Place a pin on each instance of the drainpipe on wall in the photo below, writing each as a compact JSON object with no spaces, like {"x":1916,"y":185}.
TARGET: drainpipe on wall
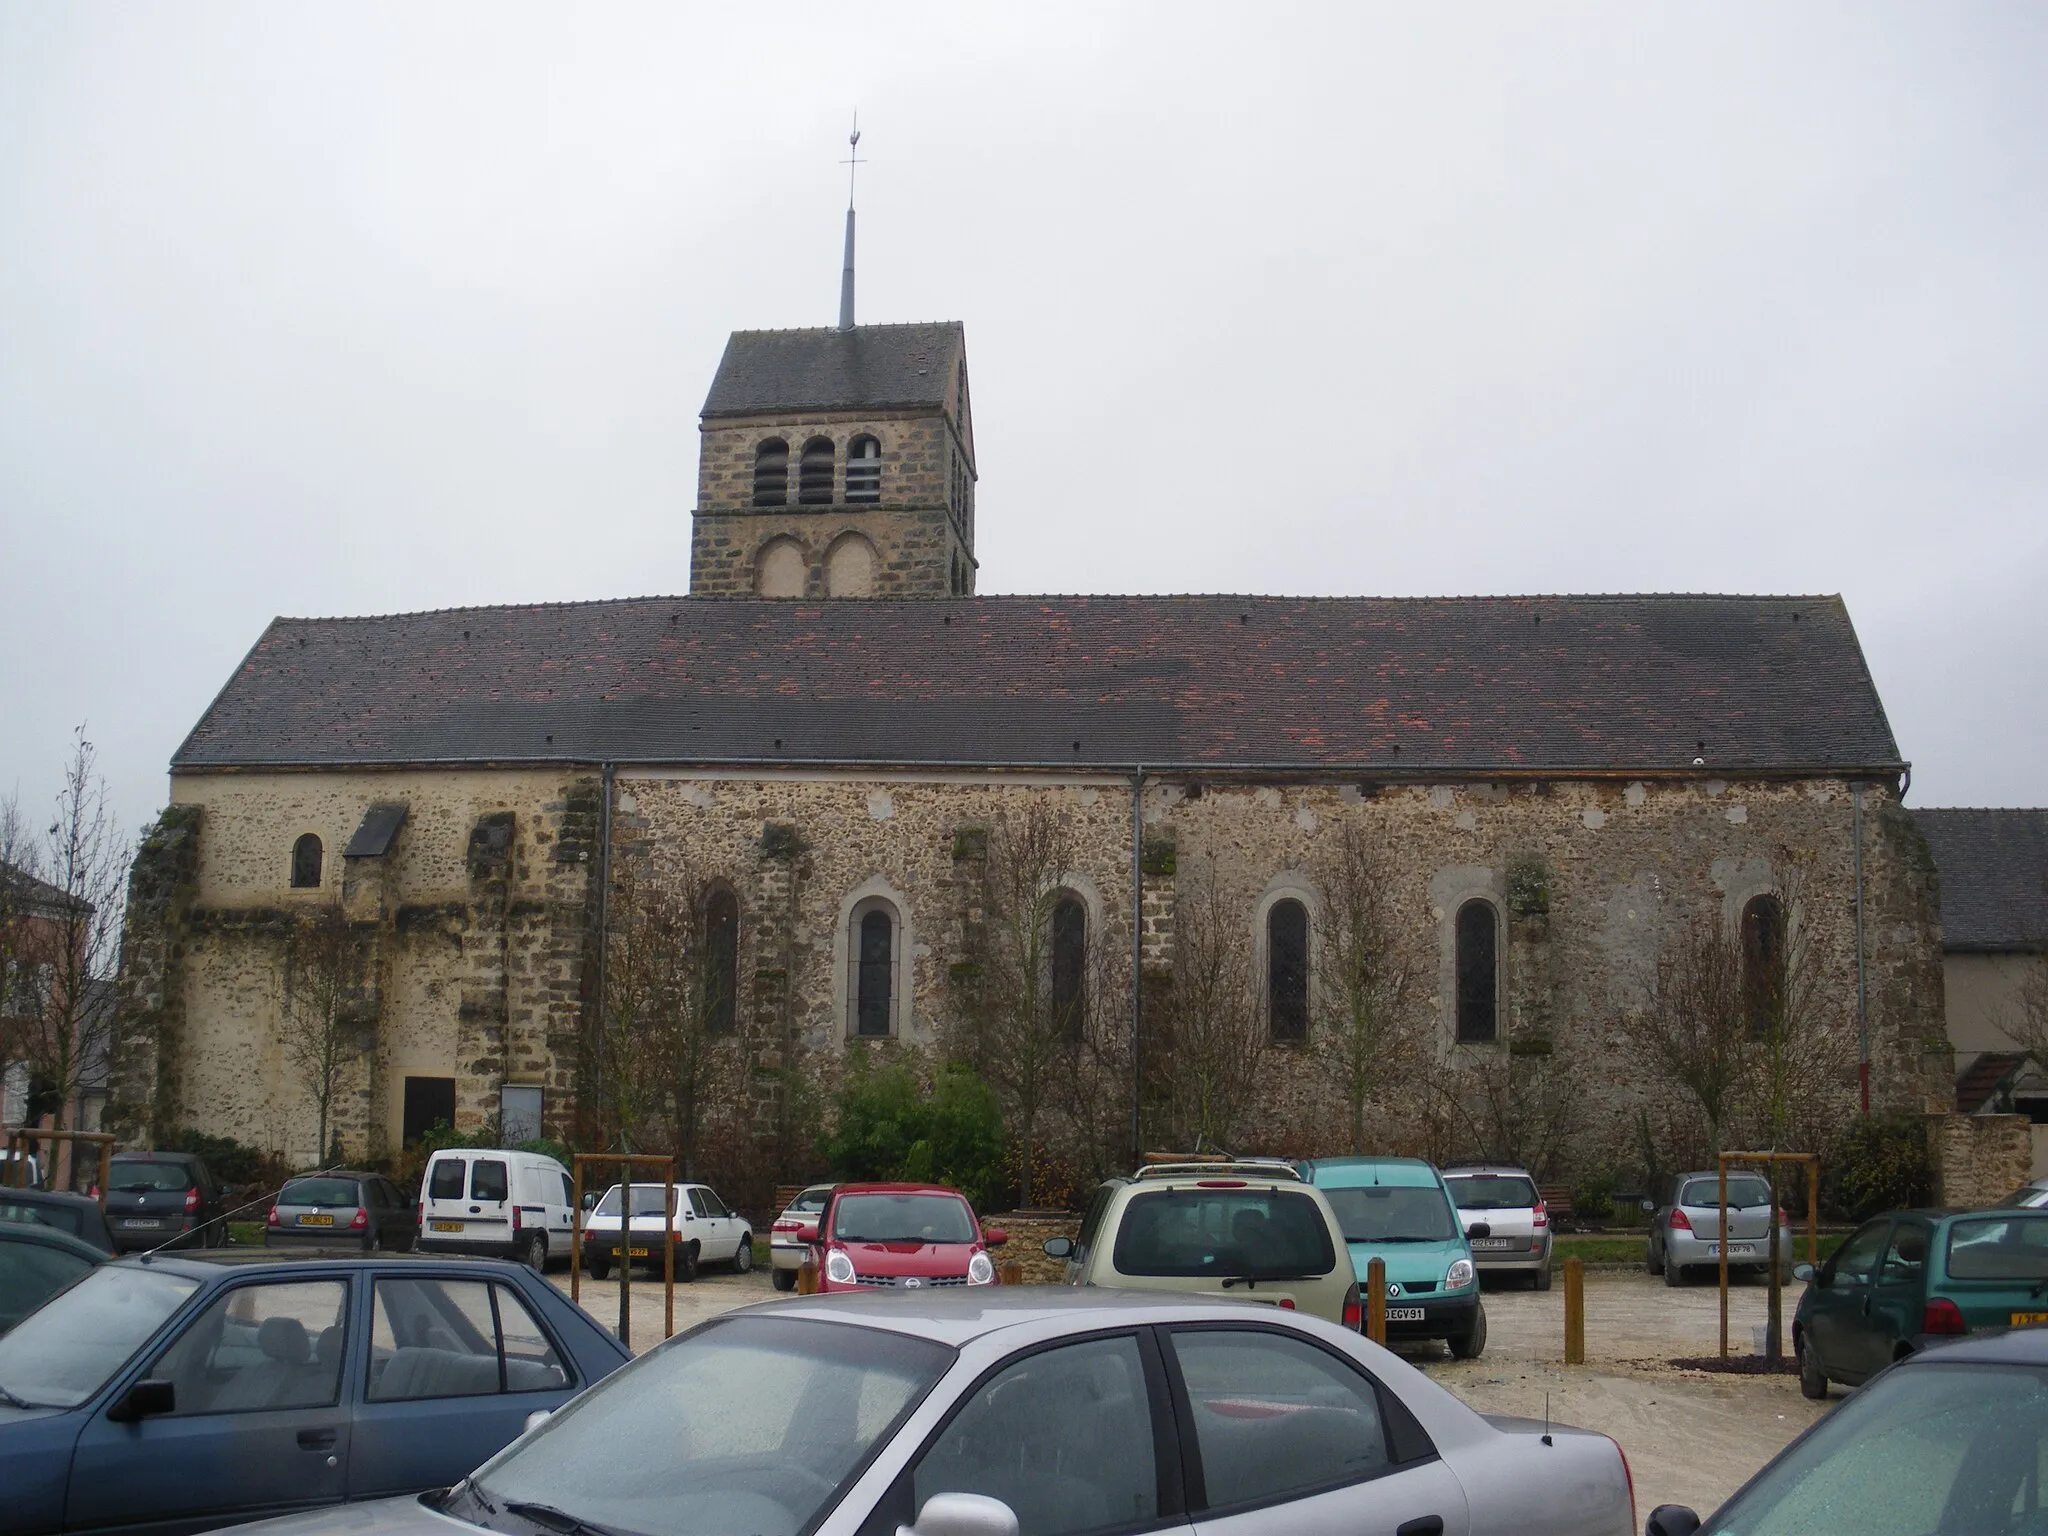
{"x":604,"y":946}
{"x":1862,"y":978}
{"x":1137,"y":957}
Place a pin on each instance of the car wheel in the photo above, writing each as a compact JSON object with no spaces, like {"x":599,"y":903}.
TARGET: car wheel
{"x":1540,"y":1281}
{"x":598,"y":1267}
{"x":1674,"y":1274}
{"x":1470,"y":1344}
{"x":785,"y":1279}
{"x":743,"y":1256}
{"x":533,"y":1253}
{"x":1653,"y":1261}
{"x":686,"y":1264}
{"x":1813,"y":1381}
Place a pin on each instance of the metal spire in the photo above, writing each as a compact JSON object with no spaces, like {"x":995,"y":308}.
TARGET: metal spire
{"x":852,"y":162}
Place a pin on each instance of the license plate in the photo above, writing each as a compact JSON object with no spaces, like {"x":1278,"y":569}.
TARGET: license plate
{"x":638,"y":1253}
{"x":1482,"y":1244}
{"x":316,"y":1221}
{"x":142,"y":1222}
{"x":445,"y":1226}
{"x":1405,"y":1314}
{"x":2021,"y":1319}
{"x":1735,"y":1250}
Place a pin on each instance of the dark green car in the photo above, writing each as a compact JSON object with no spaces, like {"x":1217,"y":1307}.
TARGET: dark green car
{"x":1908,"y":1279}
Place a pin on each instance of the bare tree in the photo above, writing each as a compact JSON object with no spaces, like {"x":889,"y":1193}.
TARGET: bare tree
{"x":60,"y":909}
{"x":321,"y":1024}
{"x":1520,"y":1105}
{"x":1371,"y":975}
{"x":1692,"y":1031}
{"x":1215,"y":1038}
{"x":1019,"y":1022}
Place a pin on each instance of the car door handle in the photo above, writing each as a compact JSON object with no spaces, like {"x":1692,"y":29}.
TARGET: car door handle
{"x":1424,"y":1525}
{"x":316,"y":1439}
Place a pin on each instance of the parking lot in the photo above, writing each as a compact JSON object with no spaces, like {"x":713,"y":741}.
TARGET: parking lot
{"x":1691,"y":1437}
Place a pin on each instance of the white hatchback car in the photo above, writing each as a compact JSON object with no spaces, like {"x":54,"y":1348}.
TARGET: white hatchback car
{"x":702,"y":1228}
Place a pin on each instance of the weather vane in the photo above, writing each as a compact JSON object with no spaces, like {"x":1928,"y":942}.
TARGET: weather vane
{"x":853,"y":161}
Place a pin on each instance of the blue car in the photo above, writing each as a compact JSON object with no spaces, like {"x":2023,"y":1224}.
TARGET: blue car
{"x":176,"y":1394}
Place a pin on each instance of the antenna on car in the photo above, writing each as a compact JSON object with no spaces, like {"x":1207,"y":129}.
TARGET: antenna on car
{"x":1546,"y":1419}
{"x":226,"y":1216}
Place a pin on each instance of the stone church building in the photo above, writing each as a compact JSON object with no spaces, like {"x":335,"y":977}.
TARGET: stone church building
{"x":825,"y":730}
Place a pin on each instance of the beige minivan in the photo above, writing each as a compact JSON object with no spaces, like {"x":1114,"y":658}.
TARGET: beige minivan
{"x":1245,"y":1230}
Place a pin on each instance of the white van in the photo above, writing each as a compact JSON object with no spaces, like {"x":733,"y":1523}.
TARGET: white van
{"x":512,"y":1205}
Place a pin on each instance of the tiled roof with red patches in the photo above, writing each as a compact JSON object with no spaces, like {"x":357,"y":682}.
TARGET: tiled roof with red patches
{"x":1360,"y":686}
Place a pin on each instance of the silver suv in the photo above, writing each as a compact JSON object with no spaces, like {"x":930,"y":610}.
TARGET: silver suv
{"x":1243,"y":1230}
{"x":1504,"y":1219}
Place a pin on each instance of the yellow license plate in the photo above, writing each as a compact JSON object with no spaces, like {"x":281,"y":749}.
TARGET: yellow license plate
{"x":638,"y":1253}
{"x":316,"y":1221}
{"x":2021,"y":1318}
{"x":445,"y":1226}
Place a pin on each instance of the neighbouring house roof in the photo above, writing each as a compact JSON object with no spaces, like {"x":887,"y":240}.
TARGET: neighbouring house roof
{"x":21,"y":893}
{"x":1372,"y":687}
{"x":866,"y":368}
{"x":1979,"y":1083}
{"x":1994,"y":877}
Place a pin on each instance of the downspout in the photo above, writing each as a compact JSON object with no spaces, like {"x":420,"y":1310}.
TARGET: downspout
{"x":1137,"y":958}
{"x":1862,"y":977}
{"x":604,"y":947}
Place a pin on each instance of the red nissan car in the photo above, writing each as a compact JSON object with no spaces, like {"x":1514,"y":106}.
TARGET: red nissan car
{"x":900,"y":1235}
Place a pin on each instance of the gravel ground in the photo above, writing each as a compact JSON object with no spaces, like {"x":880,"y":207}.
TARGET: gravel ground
{"x":1690,"y":1437}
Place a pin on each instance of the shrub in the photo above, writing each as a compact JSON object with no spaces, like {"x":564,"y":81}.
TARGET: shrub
{"x":892,"y":1128}
{"x":1879,"y":1163}
{"x":1593,"y":1198}
{"x":232,"y":1161}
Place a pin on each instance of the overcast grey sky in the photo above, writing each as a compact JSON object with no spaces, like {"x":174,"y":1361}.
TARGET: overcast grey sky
{"x":355,"y":309}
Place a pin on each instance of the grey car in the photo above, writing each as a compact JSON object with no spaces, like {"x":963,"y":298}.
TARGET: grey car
{"x":342,"y":1209}
{"x":1506,"y":1223}
{"x":1021,"y":1411}
{"x":1685,"y":1228}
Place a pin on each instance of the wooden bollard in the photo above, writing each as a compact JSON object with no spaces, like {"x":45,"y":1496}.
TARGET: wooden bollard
{"x":1010,"y":1272}
{"x":1376,"y":1301}
{"x":807,"y":1279}
{"x":1574,"y":1311}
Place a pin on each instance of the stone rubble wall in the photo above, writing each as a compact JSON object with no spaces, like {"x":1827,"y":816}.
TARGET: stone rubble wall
{"x":1979,"y":1159}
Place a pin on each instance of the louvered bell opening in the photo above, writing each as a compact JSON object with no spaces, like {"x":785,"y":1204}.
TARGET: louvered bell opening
{"x":814,"y":473}
{"x":864,"y":470}
{"x":771,"y":475}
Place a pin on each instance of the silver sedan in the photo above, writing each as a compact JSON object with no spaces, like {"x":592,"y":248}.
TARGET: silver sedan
{"x":1020,"y":1412}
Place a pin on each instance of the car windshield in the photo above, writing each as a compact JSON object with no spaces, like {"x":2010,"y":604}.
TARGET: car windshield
{"x":902,"y":1219}
{"x":61,"y":1354}
{"x":1491,"y":1191}
{"x":1392,"y":1213}
{"x":1743,"y":1192}
{"x":647,"y":1200}
{"x":320,"y":1192}
{"x":1255,"y":1234}
{"x":1999,"y":1248}
{"x":1922,"y":1450}
{"x":62,"y":1216}
{"x":148,"y":1175}
{"x":748,"y":1426}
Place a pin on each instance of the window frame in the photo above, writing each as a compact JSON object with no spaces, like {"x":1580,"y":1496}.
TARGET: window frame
{"x":194,"y":1311}
{"x":319,"y":853}
{"x":715,"y":1024}
{"x":809,"y":493}
{"x":869,"y":491}
{"x":573,"y":1379}
{"x":1296,"y":1038}
{"x":1763,"y":938}
{"x":1068,"y":900}
{"x":1458,"y":1033}
{"x":857,"y":913}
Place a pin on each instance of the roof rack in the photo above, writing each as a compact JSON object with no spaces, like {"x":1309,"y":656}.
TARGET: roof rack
{"x":1166,"y":1165}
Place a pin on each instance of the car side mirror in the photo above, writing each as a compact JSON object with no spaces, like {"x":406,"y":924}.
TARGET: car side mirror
{"x":145,"y":1400}
{"x":1805,"y":1273}
{"x":535,"y":1419}
{"x":1058,"y":1247}
{"x":962,"y":1514}
{"x":1671,"y":1520}
{"x":1649,"y":1207}
{"x":994,"y":1237}
{"x":807,"y":1231}
{"x":590,"y":1202}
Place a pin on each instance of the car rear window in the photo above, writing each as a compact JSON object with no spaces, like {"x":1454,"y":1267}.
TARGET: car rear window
{"x":445,"y":1182}
{"x":487,"y":1180}
{"x":1999,"y":1248}
{"x":812,"y":1199}
{"x":1743,"y":1192}
{"x":1491,"y":1191}
{"x":141,"y":1173}
{"x":320,"y":1192}
{"x":1392,"y":1213}
{"x":65,"y":1218}
{"x":1260,"y":1234}
{"x":648,"y":1200}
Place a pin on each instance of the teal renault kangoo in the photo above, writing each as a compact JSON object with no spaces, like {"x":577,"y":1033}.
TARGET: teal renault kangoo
{"x":1398,"y":1209}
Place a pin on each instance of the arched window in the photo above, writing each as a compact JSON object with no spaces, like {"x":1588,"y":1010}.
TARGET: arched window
{"x":864,"y":469}
{"x":721,"y":961}
{"x":1069,"y":966}
{"x":779,"y":569}
{"x":850,"y":567}
{"x":771,"y":473}
{"x":1287,"y":971}
{"x":874,"y":971}
{"x":1763,"y":963}
{"x":306,"y":854}
{"x":1478,"y":973}
{"x":814,"y":473}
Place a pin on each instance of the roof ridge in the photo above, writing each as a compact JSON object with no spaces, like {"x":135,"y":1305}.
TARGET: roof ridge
{"x":833,"y":330}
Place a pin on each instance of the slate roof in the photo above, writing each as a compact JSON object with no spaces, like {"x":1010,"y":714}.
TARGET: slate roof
{"x":1994,"y":877}
{"x":866,"y":368}
{"x":1369,"y":687}
{"x":22,"y":892}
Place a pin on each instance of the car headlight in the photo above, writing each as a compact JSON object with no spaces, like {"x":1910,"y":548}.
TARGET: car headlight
{"x":980,"y":1271}
{"x":1459,"y":1275}
{"x":838,"y":1268}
